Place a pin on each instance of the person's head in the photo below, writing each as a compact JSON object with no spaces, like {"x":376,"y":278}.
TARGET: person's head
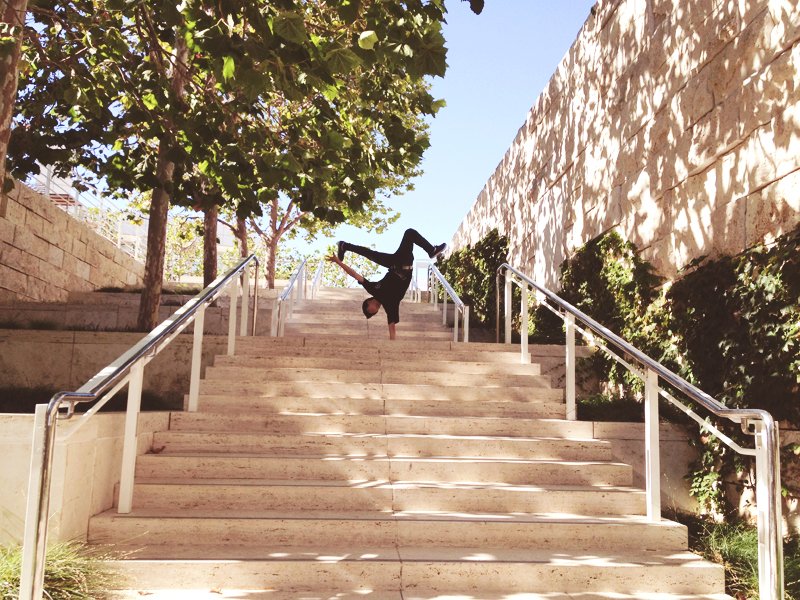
{"x":370,"y":306}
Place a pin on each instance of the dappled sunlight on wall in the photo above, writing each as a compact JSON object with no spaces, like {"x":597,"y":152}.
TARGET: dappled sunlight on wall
{"x":675,"y":122}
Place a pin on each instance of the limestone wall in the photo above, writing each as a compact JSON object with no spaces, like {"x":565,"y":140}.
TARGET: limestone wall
{"x":675,"y":121}
{"x":67,"y":359}
{"x":45,"y":253}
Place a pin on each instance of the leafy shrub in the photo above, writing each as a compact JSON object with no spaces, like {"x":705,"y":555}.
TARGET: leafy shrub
{"x":73,"y":572}
{"x":739,"y":321}
{"x":730,"y":326}
{"x":472,"y":272}
{"x":610,"y":282}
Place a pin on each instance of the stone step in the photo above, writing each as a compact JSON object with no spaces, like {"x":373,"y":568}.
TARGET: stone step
{"x":222,"y":594}
{"x":389,"y":374}
{"x":345,"y":468}
{"x":370,"y":360}
{"x":352,"y":305}
{"x":331,"y":341}
{"x":377,"y":330}
{"x":260,"y":348}
{"x":374,"y":445}
{"x":490,"y":426}
{"x":352,"y":314}
{"x":313,"y":529}
{"x":267,"y":406}
{"x":381,"y":495}
{"x":291,"y":405}
{"x":394,"y":391}
{"x":470,"y":571}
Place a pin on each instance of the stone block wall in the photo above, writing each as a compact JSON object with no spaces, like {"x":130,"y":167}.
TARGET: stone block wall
{"x":45,"y":253}
{"x":86,"y":467}
{"x":676,"y":122}
{"x":67,"y":359}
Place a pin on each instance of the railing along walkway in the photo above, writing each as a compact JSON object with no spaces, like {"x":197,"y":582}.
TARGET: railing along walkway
{"x":755,"y":422}
{"x":128,"y":370}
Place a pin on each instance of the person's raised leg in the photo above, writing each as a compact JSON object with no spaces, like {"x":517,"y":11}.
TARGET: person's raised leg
{"x":381,"y":258}
{"x":406,"y":249}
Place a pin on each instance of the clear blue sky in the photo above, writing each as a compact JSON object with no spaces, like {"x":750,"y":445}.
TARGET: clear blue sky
{"x":498,"y":64}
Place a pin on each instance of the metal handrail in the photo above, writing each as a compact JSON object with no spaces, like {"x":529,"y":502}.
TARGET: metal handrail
{"x":128,"y":368}
{"x":756,"y":422}
{"x":435,"y":278}
{"x":284,"y":304}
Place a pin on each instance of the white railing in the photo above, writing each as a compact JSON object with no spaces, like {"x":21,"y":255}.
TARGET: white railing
{"x":128,"y":370}
{"x":435,"y":278}
{"x":283,"y":306}
{"x":89,"y":207}
{"x":316,"y":280}
{"x":755,"y":422}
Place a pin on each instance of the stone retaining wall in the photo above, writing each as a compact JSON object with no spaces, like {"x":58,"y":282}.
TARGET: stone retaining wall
{"x":67,"y":359}
{"x":45,"y":253}
{"x":675,"y":122}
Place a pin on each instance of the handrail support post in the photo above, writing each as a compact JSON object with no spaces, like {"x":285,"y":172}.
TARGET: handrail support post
{"x":569,"y":321}
{"x":129,"y":444}
{"x":508,"y":307}
{"x":245,"y":302}
{"x":232,"y":319}
{"x":273,"y":326}
{"x":652,"y":454}
{"x":523,"y":326}
{"x":197,"y":358}
{"x":29,"y":549}
{"x":768,"y":504}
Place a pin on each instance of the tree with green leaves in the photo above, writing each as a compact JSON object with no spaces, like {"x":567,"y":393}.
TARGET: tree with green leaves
{"x":12,"y":19}
{"x":231,"y":103}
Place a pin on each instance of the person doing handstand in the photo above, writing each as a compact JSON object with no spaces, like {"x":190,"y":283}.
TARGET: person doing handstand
{"x":389,"y":291}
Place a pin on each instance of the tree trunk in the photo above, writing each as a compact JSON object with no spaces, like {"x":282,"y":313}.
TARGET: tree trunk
{"x":156,"y":249}
{"x":210,"y":245}
{"x":272,"y":244}
{"x":272,"y":257}
{"x":241,"y":235}
{"x":159,"y":206}
{"x":12,"y":12}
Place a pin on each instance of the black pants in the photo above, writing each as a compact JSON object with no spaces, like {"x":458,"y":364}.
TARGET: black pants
{"x":402,"y":257}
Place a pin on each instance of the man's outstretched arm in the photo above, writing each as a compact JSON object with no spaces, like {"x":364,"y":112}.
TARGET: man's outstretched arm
{"x":354,"y":274}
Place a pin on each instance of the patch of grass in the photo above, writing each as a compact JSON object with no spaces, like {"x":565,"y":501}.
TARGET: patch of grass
{"x":73,"y":572}
{"x":735,"y":546}
{"x":24,"y":400}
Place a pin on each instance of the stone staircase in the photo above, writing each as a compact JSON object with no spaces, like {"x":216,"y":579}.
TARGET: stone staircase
{"x":334,"y":463}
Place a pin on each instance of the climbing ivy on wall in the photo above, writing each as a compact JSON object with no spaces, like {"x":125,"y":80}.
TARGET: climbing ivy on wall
{"x":471,"y":271}
{"x":731,"y":326}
